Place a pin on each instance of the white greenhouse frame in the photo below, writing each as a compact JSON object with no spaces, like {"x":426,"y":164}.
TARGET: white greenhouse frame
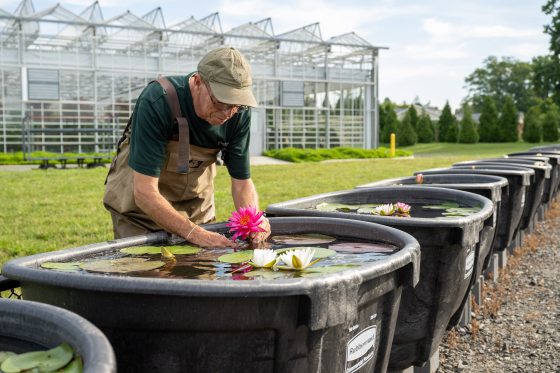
{"x":69,"y":81}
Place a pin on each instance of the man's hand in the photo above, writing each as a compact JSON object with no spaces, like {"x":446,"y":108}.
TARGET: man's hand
{"x":201,"y":237}
{"x":258,"y":238}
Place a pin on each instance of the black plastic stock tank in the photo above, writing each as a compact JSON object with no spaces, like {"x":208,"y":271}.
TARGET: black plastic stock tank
{"x":536,"y":189}
{"x":513,"y":201}
{"x":27,"y":326}
{"x":448,"y":252}
{"x":331,"y":322}
{"x":487,"y":186}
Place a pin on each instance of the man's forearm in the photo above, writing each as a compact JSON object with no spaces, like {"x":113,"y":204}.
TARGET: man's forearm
{"x":244,"y":193}
{"x":148,"y":198}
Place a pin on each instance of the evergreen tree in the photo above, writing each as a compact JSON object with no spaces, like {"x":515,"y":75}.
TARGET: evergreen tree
{"x":467,"y":134}
{"x":425,"y":130}
{"x":446,"y":120}
{"x":507,"y":123}
{"x":453,"y":132}
{"x":532,"y":130}
{"x":551,"y":123}
{"x":488,"y":124}
{"x":405,"y":133}
{"x":390,"y":121}
{"x":413,"y":117}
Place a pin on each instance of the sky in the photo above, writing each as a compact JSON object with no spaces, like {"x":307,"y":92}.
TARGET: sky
{"x":432,"y":44}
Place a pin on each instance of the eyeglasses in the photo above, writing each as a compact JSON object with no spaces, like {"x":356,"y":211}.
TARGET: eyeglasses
{"x":223,"y":106}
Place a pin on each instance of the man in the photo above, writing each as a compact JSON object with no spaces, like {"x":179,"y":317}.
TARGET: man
{"x":162,"y":176}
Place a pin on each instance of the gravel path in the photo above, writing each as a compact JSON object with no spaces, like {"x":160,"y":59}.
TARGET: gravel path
{"x":517,"y":328}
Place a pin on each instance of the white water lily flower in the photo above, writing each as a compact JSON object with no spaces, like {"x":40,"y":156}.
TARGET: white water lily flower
{"x":263,"y":258}
{"x":384,"y":210}
{"x":298,"y":259}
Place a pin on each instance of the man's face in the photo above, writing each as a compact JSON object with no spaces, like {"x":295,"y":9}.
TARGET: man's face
{"x":207,"y":107}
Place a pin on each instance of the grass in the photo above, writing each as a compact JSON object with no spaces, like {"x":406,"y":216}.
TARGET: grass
{"x":45,"y":210}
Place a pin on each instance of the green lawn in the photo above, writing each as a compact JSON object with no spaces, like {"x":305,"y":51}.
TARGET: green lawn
{"x":44,"y":210}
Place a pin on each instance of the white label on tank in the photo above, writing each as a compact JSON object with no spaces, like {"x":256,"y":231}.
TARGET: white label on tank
{"x":469,"y":263}
{"x":360,"y":349}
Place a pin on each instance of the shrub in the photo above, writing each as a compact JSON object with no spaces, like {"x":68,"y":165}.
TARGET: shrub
{"x":315,"y":155}
{"x":446,"y":120}
{"x":550,"y":124}
{"x":488,"y":124}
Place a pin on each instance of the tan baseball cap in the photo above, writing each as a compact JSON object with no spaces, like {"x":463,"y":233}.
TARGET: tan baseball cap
{"x":229,"y":76}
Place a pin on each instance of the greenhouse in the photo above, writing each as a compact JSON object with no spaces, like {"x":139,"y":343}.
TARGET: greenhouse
{"x":70,"y":80}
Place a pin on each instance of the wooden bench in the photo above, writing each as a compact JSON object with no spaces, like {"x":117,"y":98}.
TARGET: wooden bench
{"x":97,"y":161}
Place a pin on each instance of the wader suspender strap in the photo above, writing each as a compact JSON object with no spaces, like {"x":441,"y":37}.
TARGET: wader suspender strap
{"x":177,"y":116}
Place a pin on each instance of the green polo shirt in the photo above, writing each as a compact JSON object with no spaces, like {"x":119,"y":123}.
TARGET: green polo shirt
{"x":152,"y":128}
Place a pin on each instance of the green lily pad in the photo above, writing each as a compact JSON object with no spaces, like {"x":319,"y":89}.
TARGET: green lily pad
{"x":443,"y":206}
{"x":326,"y":206}
{"x":237,"y":257}
{"x":303,"y":239}
{"x":75,"y":366}
{"x":363,"y":247}
{"x":152,"y":250}
{"x":266,"y":274}
{"x":315,"y":271}
{"x":5,"y":354}
{"x":62,"y":267}
{"x":320,"y":252}
{"x":44,"y":361}
{"x":122,"y":265}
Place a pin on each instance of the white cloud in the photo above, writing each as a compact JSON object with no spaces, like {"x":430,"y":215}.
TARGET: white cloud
{"x":334,"y":19}
{"x":435,"y":51}
{"x":443,"y":31}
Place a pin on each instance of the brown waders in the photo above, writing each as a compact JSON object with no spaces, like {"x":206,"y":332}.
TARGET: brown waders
{"x":189,"y":189}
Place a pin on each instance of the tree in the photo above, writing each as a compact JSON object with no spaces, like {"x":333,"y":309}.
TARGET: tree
{"x":405,"y":133}
{"x":413,"y":117}
{"x":546,"y":78}
{"x":425,"y":130}
{"x":552,"y":8}
{"x":452,"y":132}
{"x":498,"y":79}
{"x":507,"y":123}
{"x":488,"y":123}
{"x":551,"y":122}
{"x":388,"y":120}
{"x":446,"y":120}
{"x":467,"y":133}
{"x":532,"y":130}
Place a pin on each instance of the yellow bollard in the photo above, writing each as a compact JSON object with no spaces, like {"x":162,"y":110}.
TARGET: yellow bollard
{"x":392,"y":147}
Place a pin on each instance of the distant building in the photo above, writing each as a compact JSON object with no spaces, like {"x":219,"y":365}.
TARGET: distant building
{"x":70,"y":81}
{"x":432,"y":111}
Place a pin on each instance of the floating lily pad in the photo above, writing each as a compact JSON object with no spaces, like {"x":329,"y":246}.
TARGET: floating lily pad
{"x":237,"y":257}
{"x":303,"y":239}
{"x":75,"y":366}
{"x":62,"y":267}
{"x":327,"y":269}
{"x":443,"y":206}
{"x":326,"y":206}
{"x":5,"y":354}
{"x":44,"y":361}
{"x":266,"y":274}
{"x":363,"y":247}
{"x":367,"y":209}
{"x":152,"y":250}
{"x":122,"y":265}
{"x":320,"y":252}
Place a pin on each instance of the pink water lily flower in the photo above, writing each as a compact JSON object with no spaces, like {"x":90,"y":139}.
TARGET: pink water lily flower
{"x":402,"y":208}
{"x":384,"y":210}
{"x":245,"y":221}
{"x":419,"y":179}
